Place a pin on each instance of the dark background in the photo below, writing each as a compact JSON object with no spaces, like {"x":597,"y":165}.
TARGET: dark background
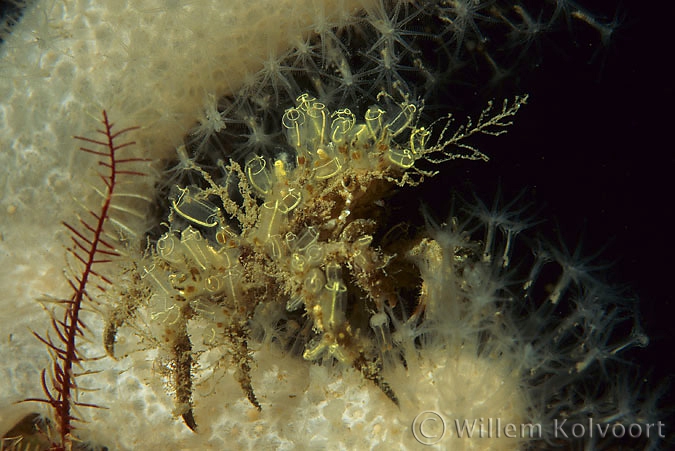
{"x":595,"y":147}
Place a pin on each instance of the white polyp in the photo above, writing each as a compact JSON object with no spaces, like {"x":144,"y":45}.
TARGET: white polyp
{"x":560,"y":287}
{"x":506,"y":257}
{"x":379,"y":322}
{"x":489,"y":239}
{"x":635,"y":339}
{"x":534,"y":272}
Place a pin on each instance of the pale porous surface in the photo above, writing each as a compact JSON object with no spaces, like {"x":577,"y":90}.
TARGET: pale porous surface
{"x":148,"y":63}
{"x":308,"y":406}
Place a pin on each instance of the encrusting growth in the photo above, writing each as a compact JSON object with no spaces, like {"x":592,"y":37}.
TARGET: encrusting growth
{"x":302,"y":233}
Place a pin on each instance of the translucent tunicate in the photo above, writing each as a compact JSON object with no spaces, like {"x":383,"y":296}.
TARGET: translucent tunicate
{"x":360,"y":135}
{"x":213,"y":284}
{"x":160,"y":282}
{"x":224,"y":258}
{"x":402,"y":120}
{"x":198,"y":249}
{"x":226,"y":236}
{"x":360,"y":251}
{"x":280,"y":170}
{"x":294,"y":303}
{"x":401,"y":157}
{"x":317,"y":124}
{"x":304,"y":102}
{"x":273,"y":247}
{"x":291,"y":238}
{"x":418,"y":140}
{"x":314,"y":254}
{"x":309,"y":236}
{"x":314,"y":281}
{"x":334,"y":304}
{"x":298,"y":262}
{"x":315,"y":349}
{"x":327,"y":168}
{"x":363,"y":241}
{"x":269,"y":220}
{"x":167,"y":248}
{"x":258,"y":174}
{"x":198,"y":211}
{"x":342,"y":122}
{"x":333,"y":273}
{"x":289,"y":201}
{"x":374,"y":120}
{"x":293,"y":120}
